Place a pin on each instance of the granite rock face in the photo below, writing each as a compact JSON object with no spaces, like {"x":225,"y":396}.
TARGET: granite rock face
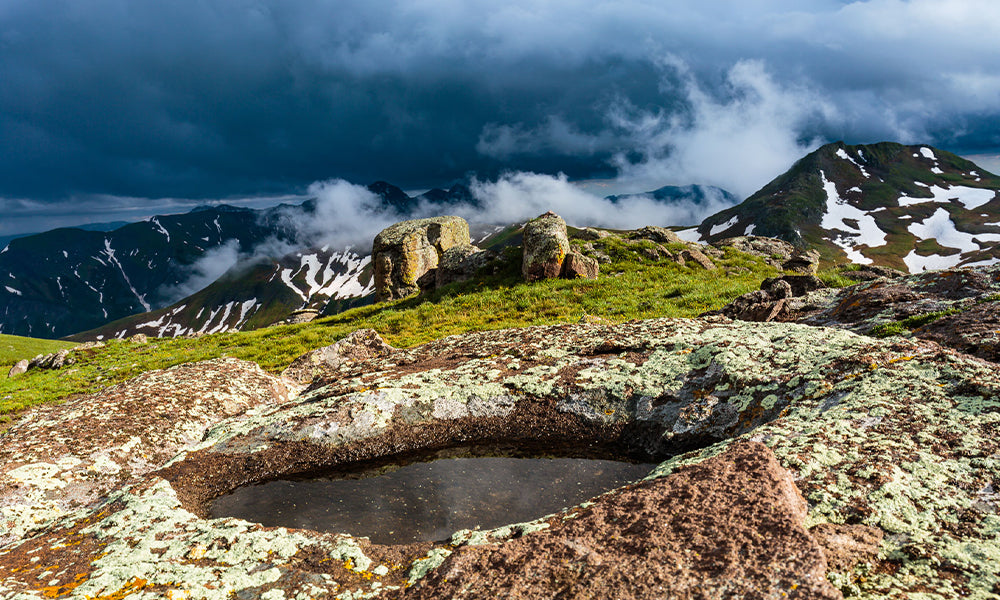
{"x":894,"y":437}
{"x":546,"y":245}
{"x":732,"y":523}
{"x":406,"y":255}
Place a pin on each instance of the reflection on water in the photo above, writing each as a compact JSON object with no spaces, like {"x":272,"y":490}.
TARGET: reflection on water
{"x":429,"y":500}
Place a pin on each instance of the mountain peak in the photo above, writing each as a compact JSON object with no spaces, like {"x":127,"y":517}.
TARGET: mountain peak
{"x":908,"y":207}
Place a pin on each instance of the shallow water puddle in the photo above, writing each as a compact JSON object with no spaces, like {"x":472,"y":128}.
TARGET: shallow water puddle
{"x":427,"y":501}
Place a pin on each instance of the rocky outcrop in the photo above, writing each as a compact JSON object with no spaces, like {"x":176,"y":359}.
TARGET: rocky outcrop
{"x":545,"y":247}
{"x":880,"y":436}
{"x":55,"y":360}
{"x":958,"y":308}
{"x":406,"y":255}
{"x":770,"y":302}
{"x":774,"y":252}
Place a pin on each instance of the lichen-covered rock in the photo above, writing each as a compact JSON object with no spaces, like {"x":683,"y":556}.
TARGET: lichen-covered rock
{"x":545,"y":247}
{"x":774,"y":252}
{"x":803,"y":263}
{"x":696,"y":256}
{"x":895,"y":435}
{"x":62,"y":458}
{"x":407,"y":253}
{"x":19,"y":367}
{"x":362,"y":344}
{"x":578,"y":266}
{"x":957,"y":308}
{"x":460,"y":263}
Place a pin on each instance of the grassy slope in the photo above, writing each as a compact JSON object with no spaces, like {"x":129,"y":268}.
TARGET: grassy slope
{"x":14,"y":348}
{"x":628,"y":288}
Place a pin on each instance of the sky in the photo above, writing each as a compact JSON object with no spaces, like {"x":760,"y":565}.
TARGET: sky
{"x":117,"y":109}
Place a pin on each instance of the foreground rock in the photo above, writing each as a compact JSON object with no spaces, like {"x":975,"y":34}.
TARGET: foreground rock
{"x":895,"y":437}
{"x":733,"y":523}
{"x":407,"y":254}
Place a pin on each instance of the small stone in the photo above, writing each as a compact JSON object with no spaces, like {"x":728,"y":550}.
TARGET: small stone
{"x":578,"y":266}
{"x":19,"y":367}
{"x":696,"y":256}
{"x":139,"y":338}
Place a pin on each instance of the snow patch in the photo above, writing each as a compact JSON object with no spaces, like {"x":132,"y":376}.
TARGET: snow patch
{"x":849,"y":237}
{"x":13,"y":291}
{"x":65,"y":254}
{"x":689,"y":235}
{"x":844,"y":155}
{"x":941,"y":228}
{"x":750,"y":228}
{"x":724,"y":226}
{"x":928,"y":153}
{"x":160,"y":228}
{"x":970,"y":197}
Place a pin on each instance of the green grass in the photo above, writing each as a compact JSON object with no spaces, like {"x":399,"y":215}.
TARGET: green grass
{"x":14,"y":348}
{"x":904,"y":326}
{"x":630,"y":287}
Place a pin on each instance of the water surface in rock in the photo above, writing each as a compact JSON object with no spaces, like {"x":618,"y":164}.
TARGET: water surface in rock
{"x":425,"y":501}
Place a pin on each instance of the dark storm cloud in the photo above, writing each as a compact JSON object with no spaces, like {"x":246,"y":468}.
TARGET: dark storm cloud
{"x":233,"y":97}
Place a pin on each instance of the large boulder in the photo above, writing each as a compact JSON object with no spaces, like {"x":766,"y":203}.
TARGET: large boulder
{"x":460,"y":263}
{"x":545,"y":247}
{"x":407,"y":254}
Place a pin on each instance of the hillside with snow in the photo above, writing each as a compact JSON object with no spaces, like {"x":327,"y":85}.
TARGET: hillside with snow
{"x":908,"y":207}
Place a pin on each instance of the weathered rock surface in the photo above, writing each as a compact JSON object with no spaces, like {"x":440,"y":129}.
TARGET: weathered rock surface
{"x":460,"y":263}
{"x":894,"y":435}
{"x":960,"y":307}
{"x":406,"y":254}
{"x":362,"y":344}
{"x":19,"y":367}
{"x":732,"y":523}
{"x":774,"y":252}
{"x":545,"y":247}
{"x":61,"y":458}
{"x":578,"y":266}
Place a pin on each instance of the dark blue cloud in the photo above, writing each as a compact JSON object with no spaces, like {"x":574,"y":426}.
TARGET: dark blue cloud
{"x":216,"y":98}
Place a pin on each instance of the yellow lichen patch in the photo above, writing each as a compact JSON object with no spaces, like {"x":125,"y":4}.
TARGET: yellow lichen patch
{"x":134,"y":585}
{"x":55,"y":591}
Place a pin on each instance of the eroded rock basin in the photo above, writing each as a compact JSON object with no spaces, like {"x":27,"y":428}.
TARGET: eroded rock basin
{"x":429,"y":497}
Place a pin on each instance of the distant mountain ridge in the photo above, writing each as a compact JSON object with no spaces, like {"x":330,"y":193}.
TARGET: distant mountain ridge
{"x":908,"y":207}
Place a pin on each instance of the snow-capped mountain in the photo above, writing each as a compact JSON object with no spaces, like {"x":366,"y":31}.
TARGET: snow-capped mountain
{"x":257,"y":294}
{"x":69,"y":280}
{"x":908,"y":207}
{"x":66,"y":280}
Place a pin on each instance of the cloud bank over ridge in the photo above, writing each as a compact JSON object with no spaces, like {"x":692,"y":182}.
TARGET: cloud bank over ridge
{"x":218,"y":98}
